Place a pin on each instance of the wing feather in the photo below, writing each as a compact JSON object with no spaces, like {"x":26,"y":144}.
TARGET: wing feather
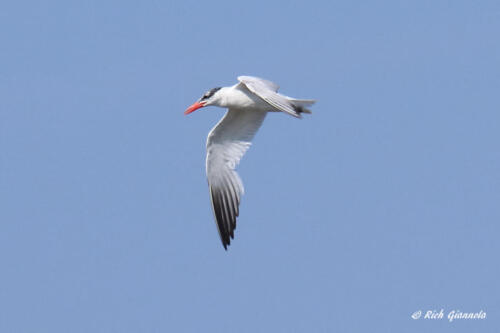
{"x":251,"y":79}
{"x":264,"y":90}
{"x":227,"y":142}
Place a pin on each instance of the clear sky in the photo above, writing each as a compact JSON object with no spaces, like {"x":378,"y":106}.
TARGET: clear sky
{"x":383,"y":202}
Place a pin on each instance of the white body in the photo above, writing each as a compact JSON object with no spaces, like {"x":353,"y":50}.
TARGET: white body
{"x":239,"y":97}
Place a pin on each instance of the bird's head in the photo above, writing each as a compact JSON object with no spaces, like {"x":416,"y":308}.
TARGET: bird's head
{"x":209,"y":98}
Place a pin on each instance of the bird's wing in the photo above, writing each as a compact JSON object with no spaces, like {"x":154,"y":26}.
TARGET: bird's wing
{"x":249,"y":79}
{"x":265,"y":90}
{"x":227,"y":142}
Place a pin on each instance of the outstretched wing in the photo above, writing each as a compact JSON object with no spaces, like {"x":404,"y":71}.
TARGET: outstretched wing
{"x":267,"y":90}
{"x":227,"y":142}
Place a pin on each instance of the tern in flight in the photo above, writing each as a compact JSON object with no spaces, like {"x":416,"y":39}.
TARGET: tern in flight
{"x":248,"y":102}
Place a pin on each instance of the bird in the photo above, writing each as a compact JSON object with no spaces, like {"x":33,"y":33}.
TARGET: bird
{"x":248,"y":103}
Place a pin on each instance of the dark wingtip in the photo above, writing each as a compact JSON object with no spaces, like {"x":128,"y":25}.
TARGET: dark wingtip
{"x":225,"y":210}
{"x":226,"y":243}
{"x":300,"y":109}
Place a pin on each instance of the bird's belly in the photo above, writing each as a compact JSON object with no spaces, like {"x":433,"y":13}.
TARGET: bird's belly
{"x":247,"y":100}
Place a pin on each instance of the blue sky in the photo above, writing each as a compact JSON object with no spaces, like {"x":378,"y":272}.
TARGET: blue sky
{"x":383,"y":202}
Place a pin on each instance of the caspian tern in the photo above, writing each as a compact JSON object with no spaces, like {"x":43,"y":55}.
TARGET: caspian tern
{"x":248,"y":102}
